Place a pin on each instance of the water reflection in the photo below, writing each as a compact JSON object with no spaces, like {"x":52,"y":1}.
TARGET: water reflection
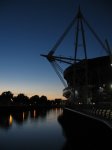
{"x":82,"y":133}
{"x":31,"y":130}
{"x":19,"y":117}
{"x":6,"y":120}
{"x":10,"y":120}
{"x":51,"y":129}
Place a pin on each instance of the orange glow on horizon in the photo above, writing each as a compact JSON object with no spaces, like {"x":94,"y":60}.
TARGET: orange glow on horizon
{"x":50,"y":96}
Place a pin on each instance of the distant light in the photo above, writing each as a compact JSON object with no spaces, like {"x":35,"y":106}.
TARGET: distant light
{"x":80,"y":103}
{"x":111,"y":86}
{"x":11,"y":99}
{"x":111,"y":64}
{"x":101,"y":89}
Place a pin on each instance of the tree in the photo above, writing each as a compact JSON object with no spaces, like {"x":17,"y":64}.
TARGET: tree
{"x":34,"y":100}
{"x":22,"y":99}
{"x":7,"y":98}
{"x":43,"y":99}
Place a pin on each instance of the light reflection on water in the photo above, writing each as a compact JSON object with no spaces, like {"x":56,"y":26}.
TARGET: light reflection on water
{"x":35,"y":130}
{"x":51,"y":129}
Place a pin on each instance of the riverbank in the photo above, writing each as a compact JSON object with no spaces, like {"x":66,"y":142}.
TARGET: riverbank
{"x":26,"y":107}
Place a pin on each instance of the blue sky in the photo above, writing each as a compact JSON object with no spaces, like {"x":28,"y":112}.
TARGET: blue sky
{"x":29,"y":28}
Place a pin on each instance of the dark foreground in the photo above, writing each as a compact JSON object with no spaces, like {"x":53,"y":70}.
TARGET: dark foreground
{"x":52,"y":129}
{"x":84,"y":133}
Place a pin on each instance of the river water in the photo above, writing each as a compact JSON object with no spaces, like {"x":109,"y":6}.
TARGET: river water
{"x":31,"y":130}
{"x":51,"y":129}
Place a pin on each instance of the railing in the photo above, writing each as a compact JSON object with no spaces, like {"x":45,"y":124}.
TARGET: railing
{"x":101,"y":111}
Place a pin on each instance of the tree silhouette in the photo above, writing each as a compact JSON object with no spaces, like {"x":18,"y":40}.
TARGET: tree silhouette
{"x":43,"y":100}
{"x":34,"y":100}
{"x":6,"y":98}
{"x":21,"y":99}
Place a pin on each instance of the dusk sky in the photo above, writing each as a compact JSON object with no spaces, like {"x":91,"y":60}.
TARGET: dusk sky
{"x":29,"y":28}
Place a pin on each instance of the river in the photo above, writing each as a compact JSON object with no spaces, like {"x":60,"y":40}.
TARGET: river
{"x":31,"y":130}
{"x":51,"y":129}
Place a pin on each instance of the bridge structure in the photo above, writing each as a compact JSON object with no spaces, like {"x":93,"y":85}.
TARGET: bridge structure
{"x":88,"y":98}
